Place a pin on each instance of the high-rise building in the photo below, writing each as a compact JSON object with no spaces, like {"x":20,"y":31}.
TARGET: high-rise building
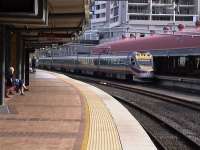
{"x":113,"y":18}
{"x":106,"y":14}
{"x":154,"y":14}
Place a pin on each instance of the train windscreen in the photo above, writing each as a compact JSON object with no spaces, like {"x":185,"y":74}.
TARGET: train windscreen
{"x":144,"y":60}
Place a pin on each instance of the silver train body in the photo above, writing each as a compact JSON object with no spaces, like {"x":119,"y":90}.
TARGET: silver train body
{"x":134,"y":65}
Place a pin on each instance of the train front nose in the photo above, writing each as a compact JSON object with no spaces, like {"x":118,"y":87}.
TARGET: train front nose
{"x":147,"y":74}
{"x":150,"y":74}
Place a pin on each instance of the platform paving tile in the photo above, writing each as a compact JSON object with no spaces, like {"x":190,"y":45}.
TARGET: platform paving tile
{"x":49,"y":117}
{"x":49,"y":84}
{"x":62,"y":101}
{"x":39,"y":143}
{"x":39,"y":126}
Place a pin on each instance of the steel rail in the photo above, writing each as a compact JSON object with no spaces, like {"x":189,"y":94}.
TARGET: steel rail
{"x":157,"y":118}
{"x":172,"y":99}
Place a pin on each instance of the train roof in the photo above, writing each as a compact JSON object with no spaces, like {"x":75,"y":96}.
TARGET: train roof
{"x":169,"y":42}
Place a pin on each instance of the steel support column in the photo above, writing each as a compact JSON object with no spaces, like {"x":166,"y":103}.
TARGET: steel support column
{"x":19,"y":57}
{"x":8,"y":50}
{"x":23,"y":62}
{"x":2,"y":63}
{"x":26,"y":67}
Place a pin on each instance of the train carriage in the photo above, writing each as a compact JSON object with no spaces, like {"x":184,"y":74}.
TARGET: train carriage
{"x":123,"y":66}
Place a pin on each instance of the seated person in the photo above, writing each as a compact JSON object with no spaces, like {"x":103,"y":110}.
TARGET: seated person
{"x":9,"y":82}
{"x":19,"y":86}
{"x":14,"y":84}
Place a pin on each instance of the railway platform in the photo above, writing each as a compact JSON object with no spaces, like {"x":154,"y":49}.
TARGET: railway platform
{"x":60,"y":113}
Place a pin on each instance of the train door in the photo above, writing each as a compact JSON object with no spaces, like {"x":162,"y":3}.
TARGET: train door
{"x":133,"y":63}
{"x":197,"y":66}
{"x":131,"y":59}
{"x":130,"y":63}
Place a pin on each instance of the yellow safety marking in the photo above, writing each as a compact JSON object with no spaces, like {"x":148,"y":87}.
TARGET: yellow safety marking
{"x":103,"y":134}
{"x":87,"y":126}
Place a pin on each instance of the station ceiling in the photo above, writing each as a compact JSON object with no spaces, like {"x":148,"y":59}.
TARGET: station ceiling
{"x":65,"y":19}
{"x":67,"y":13}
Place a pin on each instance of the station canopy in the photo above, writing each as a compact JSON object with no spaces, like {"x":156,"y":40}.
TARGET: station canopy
{"x":45,"y":22}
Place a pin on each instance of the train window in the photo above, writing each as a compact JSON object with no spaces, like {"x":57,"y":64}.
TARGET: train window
{"x":115,"y":61}
{"x":108,"y":61}
{"x":132,"y":61}
{"x":92,"y":61}
{"x":105,"y":61}
{"x":67,"y":61}
{"x":182,"y":61}
{"x":198,"y":62}
{"x":86,"y":61}
{"x":96,"y":61}
{"x":101,"y":61}
{"x":121,"y":61}
{"x":111,"y":62}
{"x":118,"y":61}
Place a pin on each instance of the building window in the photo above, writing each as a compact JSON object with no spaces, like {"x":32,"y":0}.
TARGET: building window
{"x":103,"y":15}
{"x":138,"y":9}
{"x":116,"y":11}
{"x":97,"y":7}
{"x":184,"y":18}
{"x":97,"y":15}
{"x":162,"y":18}
{"x":103,"y":6}
{"x":132,"y":17}
{"x":115,"y":19}
{"x":138,"y":1}
{"x":112,"y":11}
{"x":187,"y":11}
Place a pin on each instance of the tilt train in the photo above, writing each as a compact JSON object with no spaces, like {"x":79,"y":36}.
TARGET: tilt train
{"x":134,"y":65}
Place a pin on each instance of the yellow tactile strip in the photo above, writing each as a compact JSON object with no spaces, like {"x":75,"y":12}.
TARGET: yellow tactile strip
{"x":103,"y":134}
{"x":86,"y":128}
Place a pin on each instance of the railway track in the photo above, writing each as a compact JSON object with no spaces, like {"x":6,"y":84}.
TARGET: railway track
{"x":173,"y":133}
{"x":189,"y":104}
{"x":165,"y":136}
